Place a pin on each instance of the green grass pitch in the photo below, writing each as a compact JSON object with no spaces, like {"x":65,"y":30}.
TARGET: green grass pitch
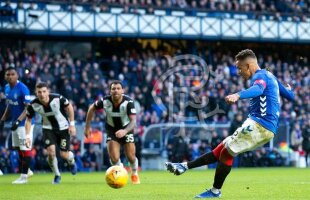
{"x":249,"y":184}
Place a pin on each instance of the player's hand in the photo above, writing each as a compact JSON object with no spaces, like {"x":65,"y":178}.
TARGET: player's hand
{"x":288,"y":86}
{"x":15,"y":125}
{"x":87,"y":131}
{"x":28,"y":142}
{"x":230,"y":99}
{"x":72,"y":130}
{"x":120,"y":133}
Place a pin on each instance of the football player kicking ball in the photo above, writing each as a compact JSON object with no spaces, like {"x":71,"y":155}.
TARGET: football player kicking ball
{"x":120,"y":123}
{"x":56,"y":128}
{"x":257,"y":130}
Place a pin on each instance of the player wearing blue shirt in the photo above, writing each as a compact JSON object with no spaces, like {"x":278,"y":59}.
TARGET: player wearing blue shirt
{"x":17,"y":97}
{"x":258,"y":129}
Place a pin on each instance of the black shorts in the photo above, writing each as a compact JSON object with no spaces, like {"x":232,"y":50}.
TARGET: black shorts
{"x":128,"y":138}
{"x":57,"y":137}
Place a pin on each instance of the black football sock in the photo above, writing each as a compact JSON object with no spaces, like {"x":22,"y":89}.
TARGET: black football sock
{"x":221,"y":173}
{"x":25,"y":164}
{"x":205,"y":159}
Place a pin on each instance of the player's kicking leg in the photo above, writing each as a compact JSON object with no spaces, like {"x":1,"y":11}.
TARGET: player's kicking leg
{"x":176,"y":168}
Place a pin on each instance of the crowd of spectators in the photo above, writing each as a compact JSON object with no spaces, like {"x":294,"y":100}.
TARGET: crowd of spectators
{"x":83,"y":81}
{"x":298,"y":9}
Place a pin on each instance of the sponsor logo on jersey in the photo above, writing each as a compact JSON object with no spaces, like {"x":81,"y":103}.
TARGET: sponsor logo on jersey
{"x":14,"y":103}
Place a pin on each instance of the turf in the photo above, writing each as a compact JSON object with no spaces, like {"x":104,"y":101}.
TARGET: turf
{"x":256,"y":184}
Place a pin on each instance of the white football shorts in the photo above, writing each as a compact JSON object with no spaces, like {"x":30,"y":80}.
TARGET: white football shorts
{"x":247,"y":137}
{"x":19,"y":138}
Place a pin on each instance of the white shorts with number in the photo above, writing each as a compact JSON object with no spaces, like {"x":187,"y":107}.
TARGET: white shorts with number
{"x":247,"y":137}
{"x":19,"y":138}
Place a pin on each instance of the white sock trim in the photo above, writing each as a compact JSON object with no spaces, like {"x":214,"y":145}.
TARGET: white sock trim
{"x":54,"y":166}
{"x":134,"y":167}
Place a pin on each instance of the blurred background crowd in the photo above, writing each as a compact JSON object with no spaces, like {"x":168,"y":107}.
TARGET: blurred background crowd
{"x":141,"y":64}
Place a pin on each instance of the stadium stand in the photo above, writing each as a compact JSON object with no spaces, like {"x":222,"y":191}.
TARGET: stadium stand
{"x":85,"y":79}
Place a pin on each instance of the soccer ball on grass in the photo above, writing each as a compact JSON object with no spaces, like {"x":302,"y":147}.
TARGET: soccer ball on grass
{"x":116,"y":177}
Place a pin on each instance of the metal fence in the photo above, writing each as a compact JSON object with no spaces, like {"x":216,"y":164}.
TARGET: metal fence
{"x":156,"y":137}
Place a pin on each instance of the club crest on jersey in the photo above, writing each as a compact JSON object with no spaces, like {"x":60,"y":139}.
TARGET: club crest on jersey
{"x":15,"y":96}
{"x":107,"y":104}
{"x":47,"y":142}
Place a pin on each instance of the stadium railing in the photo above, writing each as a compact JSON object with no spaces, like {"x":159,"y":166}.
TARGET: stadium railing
{"x":211,"y":26}
{"x":157,"y":136}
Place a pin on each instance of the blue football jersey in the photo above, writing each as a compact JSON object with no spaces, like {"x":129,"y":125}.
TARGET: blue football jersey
{"x":16,"y":99}
{"x":265,"y":108}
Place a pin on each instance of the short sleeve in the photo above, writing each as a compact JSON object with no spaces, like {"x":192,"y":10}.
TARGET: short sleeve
{"x":30,"y":112}
{"x":64,"y":102}
{"x":131,"y":110}
{"x":99,"y":104}
{"x":26,"y":94}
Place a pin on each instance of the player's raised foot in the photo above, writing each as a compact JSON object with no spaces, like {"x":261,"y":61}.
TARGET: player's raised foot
{"x":21,"y":180}
{"x":57,"y":180}
{"x":176,"y":168}
{"x":208,"y":194}
{"x":30,"y":173}
{"x":135,"y":179}
{"x":73,"y":169}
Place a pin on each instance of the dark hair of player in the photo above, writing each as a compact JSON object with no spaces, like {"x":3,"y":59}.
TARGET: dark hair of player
{"x":247,"y":53}
{"x":41,"y":85}
{"x":10,"y":68}
{"x":116,"y":82}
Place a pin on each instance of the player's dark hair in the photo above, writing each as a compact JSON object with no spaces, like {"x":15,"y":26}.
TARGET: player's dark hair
{"x":116,"y":82}
{"x":41,"y":85}
{"x":246,"y":53}
{"x":10,"y":68}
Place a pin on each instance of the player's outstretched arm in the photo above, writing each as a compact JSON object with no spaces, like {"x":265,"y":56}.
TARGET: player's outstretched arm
{"x":286,"y":92}
{"x":254,"y":91}
{"x":89,"y":117}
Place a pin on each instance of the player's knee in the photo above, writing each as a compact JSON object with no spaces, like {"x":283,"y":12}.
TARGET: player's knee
{"x":51,"y":153}
{"x":64,"y":155}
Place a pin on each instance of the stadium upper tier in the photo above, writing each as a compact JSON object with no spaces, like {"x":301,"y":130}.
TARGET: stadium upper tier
{"x":286,"y":9}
